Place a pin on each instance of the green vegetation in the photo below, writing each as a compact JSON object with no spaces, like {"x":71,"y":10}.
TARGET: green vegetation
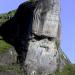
{"x":4,"y":46}
{"x":6,"y":16}
{"x":69,"y":69}
{"x":3,"y":18}
{"x":15,"y":68}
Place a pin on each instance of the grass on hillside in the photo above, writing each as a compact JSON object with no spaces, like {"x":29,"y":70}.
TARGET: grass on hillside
{"x":69,"y":69}
{"x":3,"y":18}
{"x":6,"y":16}
{"x":12,"y":68}
{"x":4,"y":46}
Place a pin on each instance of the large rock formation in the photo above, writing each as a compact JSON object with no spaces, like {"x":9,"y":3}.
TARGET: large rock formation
{"x":44,"y":55}
{"x":37,"y":37}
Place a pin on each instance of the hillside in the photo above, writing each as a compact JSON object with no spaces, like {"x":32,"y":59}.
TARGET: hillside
{"x":3,"y":18}
{"x":6,"y":16}
{"x":8,"y":55}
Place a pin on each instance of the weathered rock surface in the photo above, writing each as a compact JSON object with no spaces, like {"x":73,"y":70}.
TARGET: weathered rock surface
{"x":44,"y":56}
{"x":46,"y":18}
{"x":8,"y":57}
{"x":8,"y":63}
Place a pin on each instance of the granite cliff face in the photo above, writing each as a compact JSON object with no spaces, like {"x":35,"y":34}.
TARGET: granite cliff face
{"x":44,"y":55}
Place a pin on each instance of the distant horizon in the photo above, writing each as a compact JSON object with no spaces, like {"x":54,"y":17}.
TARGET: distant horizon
{"x":67,"y":17}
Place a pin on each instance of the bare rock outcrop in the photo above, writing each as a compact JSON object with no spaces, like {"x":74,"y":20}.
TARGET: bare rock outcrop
{"x":37,"y":37}
{"x":44,"y":55}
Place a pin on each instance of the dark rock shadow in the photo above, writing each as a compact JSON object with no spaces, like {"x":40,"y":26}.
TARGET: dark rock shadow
{"x":17,"y":30}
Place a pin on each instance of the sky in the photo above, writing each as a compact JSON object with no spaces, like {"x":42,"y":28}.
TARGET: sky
{"x":67,"y":17}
